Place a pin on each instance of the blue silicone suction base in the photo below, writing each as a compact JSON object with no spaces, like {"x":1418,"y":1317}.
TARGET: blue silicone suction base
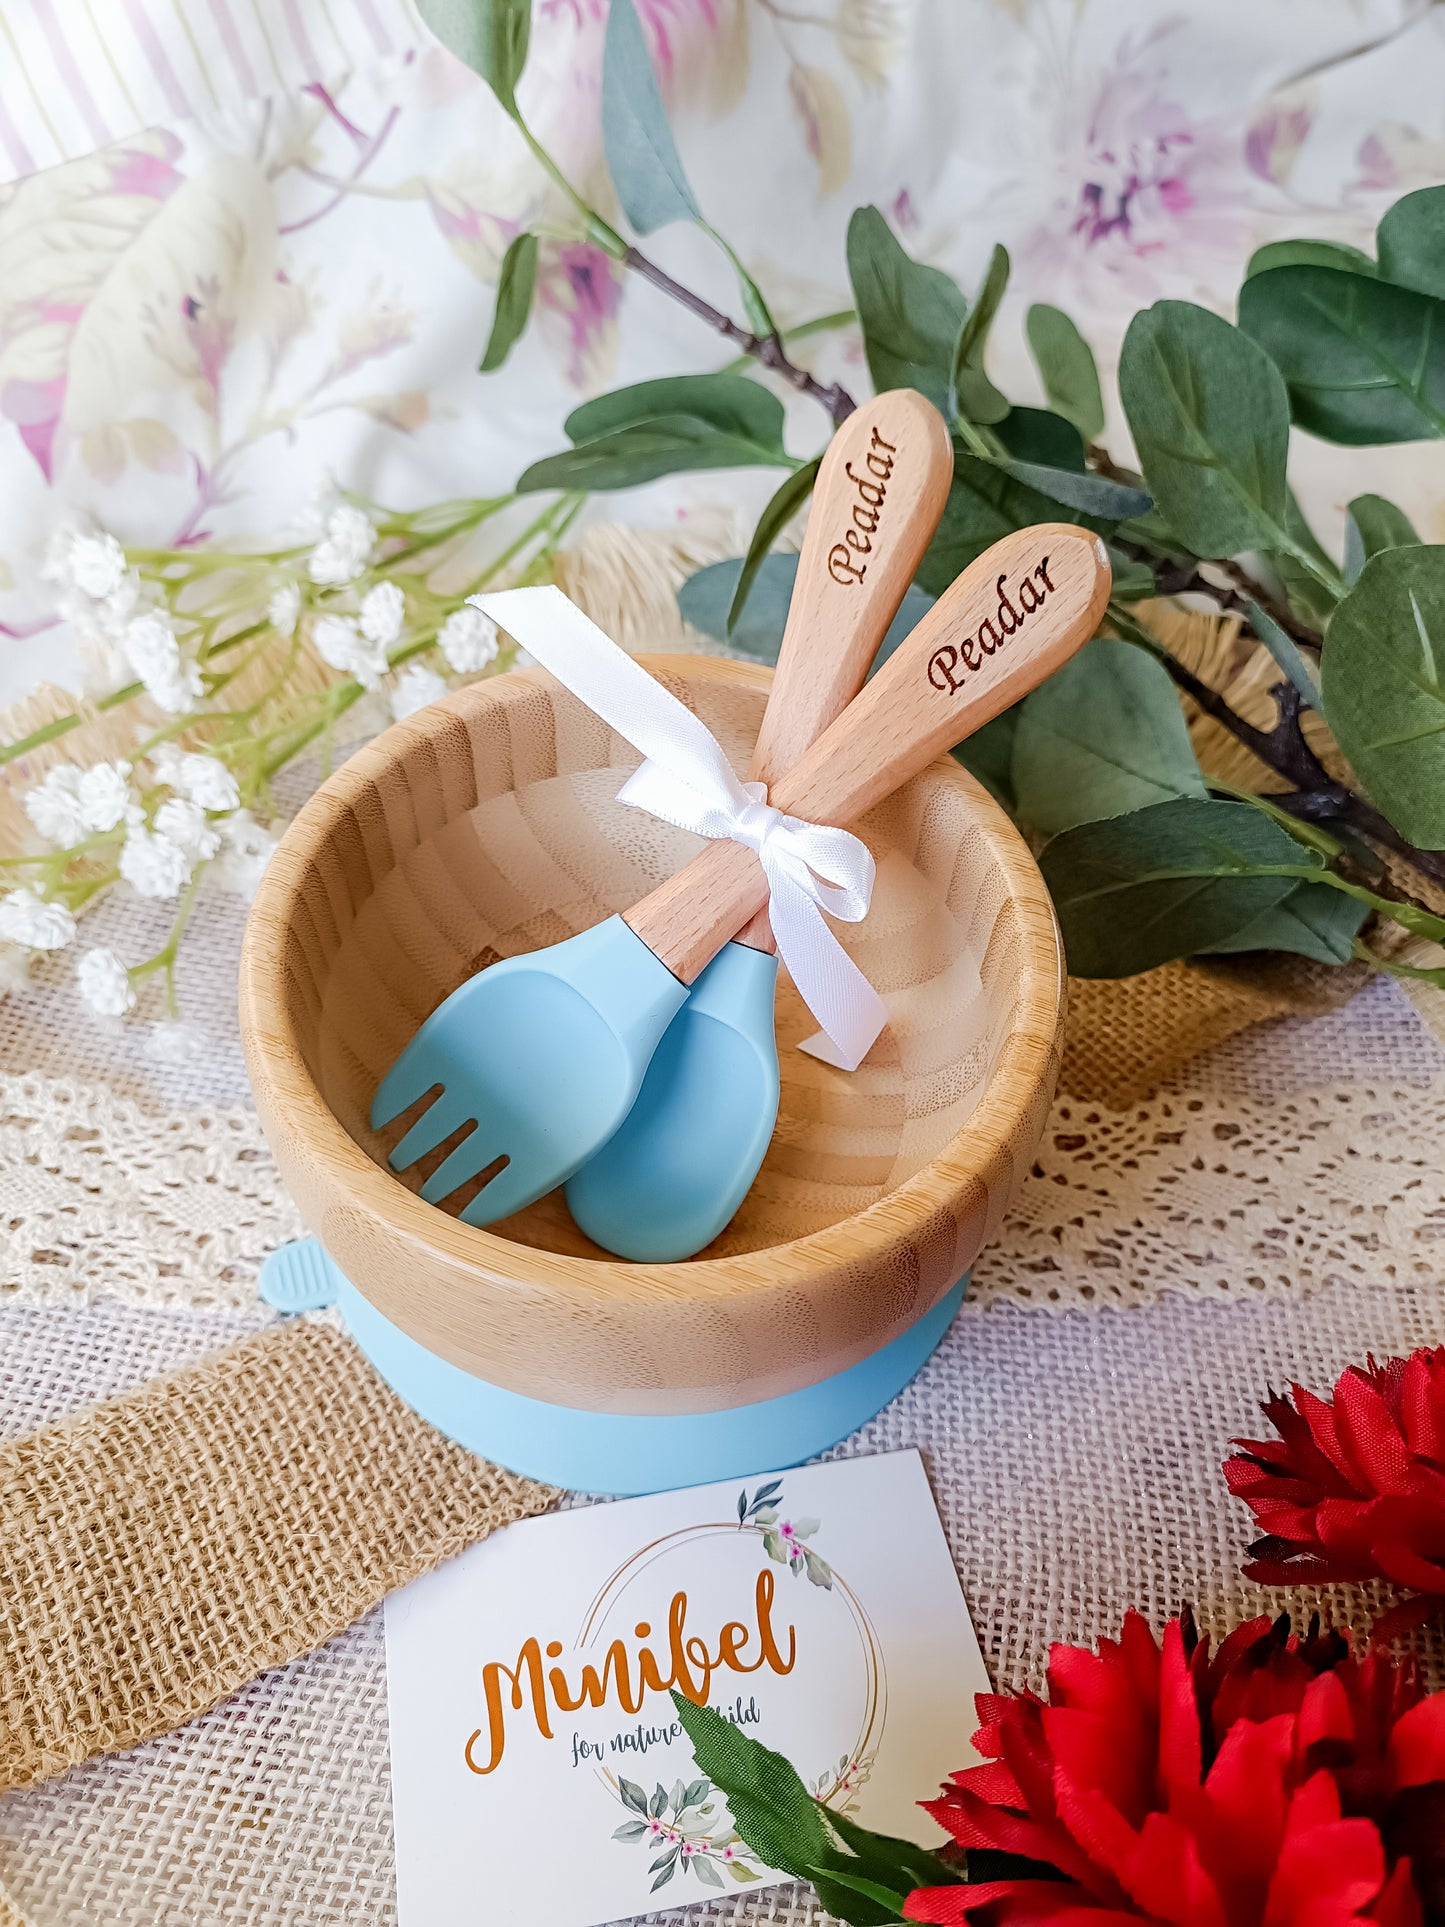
{"x":619,"y":1454}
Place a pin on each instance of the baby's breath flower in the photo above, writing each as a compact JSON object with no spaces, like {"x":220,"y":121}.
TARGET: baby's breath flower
{"x":149,"y":645}
{"x":54,"y":806}
{"x":383,"y":610}
{"x":184,"y":823}
{"x":339,"y":642}
{"x":468,"y":640}
{"x":415,"y":688}
{"x":105,"y":795}
{"x":246,"y":847}
{"x":345,"y":547}
{"x":175,"y":1042}
{"x":284,"y":608}
{"x":29,"y":919}
{"x":14,"y":968}
{"x":96,"y":565}
{"x":153,"y":865}
{"x":105,"y":983}
{"x":205,"y":780}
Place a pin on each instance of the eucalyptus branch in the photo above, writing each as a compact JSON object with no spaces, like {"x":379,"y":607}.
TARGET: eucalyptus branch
{"x":1173,"y":578}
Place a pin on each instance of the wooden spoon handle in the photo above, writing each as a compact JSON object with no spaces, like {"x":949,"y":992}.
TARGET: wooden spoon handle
{"x":880,"y":492}
{"x":1006,"y":624}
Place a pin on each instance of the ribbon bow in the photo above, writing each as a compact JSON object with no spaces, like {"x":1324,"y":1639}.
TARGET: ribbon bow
{"x":687,"y":780}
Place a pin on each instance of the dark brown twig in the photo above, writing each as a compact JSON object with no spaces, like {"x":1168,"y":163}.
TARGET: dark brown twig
{"x":767,"y":349}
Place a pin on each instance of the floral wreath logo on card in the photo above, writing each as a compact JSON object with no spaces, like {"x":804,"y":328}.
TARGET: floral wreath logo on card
{"x":686,"y":1828}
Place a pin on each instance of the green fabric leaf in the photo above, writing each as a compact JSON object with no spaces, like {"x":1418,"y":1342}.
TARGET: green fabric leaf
{"x":888,"y":1900}
{"x":1281,"y":645}
{"x":666,"y":446}
{"x":641,"y":154}
{"x":772,"y":1810}
{"x":985,"y":502}
{"x":989,"y":754}
{"x":1179,"y":877}
{"x":706,"y":598}
{"x":887,"y":1858}
{"x":1088,"y":494}
{"x":489,"y":35}
{"x":1103,"y":736}
{"x":1383,"y":677}
{"x":910,"y":314}
{"x":1308,"y":254}
{"x":730,"y":403}
{"x":1133,"y":579}
{"x":1210,"y":419}
{"x":780,"y":510}
{"x":975,"y":396}
{"x":514,"y":301}
{"x":1066,"y":363}
{"x":1307,"y":595}
{"x":1036,"y":435}
{"x":1373,"y":524}
{"x":1312,"y":921}
{"x":1364,"y":360}
{"x":1411,"y":241}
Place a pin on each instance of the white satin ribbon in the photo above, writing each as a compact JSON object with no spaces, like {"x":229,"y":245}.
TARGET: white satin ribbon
{"x":687,"y":780}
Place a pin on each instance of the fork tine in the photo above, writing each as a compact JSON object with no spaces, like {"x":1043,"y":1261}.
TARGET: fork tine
{"x":410,"y":1077}
{"x":473,"y":1154}
{"x":513,"y":1187}
{"x":430,"y":1128}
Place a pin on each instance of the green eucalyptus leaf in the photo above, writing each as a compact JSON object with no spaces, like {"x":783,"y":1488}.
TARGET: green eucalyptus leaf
{"x":1383,"y":678}
{"x":1364,"y":360}
{"x":780,"y":510}
{"x":1133,"y":579}
{"x":1066,"y":363}
{"x":975,"y":396}
{"x":1036,"y":435}
{"x":988,"y":754}
{"x":666,"y":446}
{"x":1373,"y":524}
{"x":1312,"y":921}
{"x":515,"y":286}
{"x":489,"y":35}
{"x":1167,"y":881}
{"x":773,"y":1811}
{"x":731,"y":403}
{"x":1103,"y":736}
{"x":1087,"y":494}
{"x":641,"y":154}
{"x":1300,"y":571}
{"x":1411,"y":241}
{"x":706,"y":598}
{"x":910,"y":314}
{"x":1308,"y":254}
{"x":984,"y":503}
{"x":1210,"y":419}
{"x":1281,"y":645}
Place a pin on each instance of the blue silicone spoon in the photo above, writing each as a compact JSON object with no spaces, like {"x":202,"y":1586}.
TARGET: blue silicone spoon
{"x":672,"y":1176}
{"x":540,"y":1058}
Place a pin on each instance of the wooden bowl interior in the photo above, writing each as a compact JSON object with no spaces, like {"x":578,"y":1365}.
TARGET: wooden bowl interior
{"x":496,"y":831}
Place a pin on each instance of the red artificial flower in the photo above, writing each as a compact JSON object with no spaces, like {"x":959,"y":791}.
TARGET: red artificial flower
{"x":1354,"y":1488}
{"x":1276,"y":1782}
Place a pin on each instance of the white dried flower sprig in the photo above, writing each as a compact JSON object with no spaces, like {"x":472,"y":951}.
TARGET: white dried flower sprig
{"x":185,"y":816}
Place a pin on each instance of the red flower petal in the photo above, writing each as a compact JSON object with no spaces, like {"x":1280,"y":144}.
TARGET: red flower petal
{"x":1417,"y":1743}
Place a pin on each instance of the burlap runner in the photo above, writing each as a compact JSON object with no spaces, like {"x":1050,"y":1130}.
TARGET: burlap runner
{"x":160,"y":1550}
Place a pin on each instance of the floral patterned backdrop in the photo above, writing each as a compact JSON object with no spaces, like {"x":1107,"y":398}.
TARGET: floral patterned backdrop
{"x":203,"y":320}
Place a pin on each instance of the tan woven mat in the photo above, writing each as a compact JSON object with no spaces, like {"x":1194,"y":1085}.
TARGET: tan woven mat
{"x":158,"y":1551}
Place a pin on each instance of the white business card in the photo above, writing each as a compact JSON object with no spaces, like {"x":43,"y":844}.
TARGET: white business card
{"x":539,"y":1771}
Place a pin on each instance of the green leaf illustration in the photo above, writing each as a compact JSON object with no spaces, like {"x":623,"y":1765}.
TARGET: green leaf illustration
{"x":515,"y":288}
{"x":489,"y":35}
{"x":1103,"y":736}
{"x":1364,"y":360}
{"x":1066,"y":362}
{"x":780,"y":510}
{"x":911,"y":315}
{"x":662,"y":1879}
{"x":694,"y":1793}
{"x":641,"y":154}
{"x":658,"y":1805}
{"x":820,"y":1573}
{"x":1411,"y":241}
{"x":1167,"y":881}
{"x":1210,"y":419}
{"x":1373,"y":524}
{"x":633,"y":1794}
{"x":630,"y":1830}
{"x":975,"y":396}
{"x":1383,"y":678}
{"x":706,"y":1872}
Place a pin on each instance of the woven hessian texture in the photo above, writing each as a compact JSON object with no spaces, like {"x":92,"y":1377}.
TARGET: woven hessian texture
{"x":162,"y":1549}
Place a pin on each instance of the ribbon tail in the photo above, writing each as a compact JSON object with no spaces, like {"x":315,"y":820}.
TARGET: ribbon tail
{"x":826,"y":978}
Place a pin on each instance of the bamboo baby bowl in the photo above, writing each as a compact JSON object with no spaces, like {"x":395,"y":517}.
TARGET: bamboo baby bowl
{"x":486,"y":825}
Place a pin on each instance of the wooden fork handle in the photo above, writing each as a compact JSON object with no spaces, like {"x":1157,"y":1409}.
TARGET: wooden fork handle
{"x":1007,"y":623}
{"x":881,"y":488}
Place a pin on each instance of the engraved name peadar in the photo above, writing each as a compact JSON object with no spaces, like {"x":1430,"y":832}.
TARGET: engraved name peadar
{"x":949,"y":666}
{"x":624,"y":1679}
{"x":844,"y":563}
